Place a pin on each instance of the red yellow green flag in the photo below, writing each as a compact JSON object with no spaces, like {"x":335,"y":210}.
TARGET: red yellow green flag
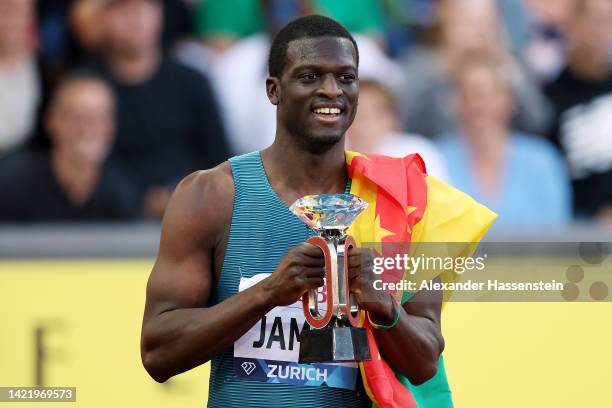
{"x":407,"y":205}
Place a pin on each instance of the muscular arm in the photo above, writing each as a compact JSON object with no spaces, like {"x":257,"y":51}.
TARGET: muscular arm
{"x":180,"y":331}
{"x":414,"y":345}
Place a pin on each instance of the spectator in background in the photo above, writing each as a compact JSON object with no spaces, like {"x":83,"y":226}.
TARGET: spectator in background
{"x":520,"y":177}
{"x":84,"y":20}
{"x":70,"y":30}
{"x":546,"y":51}
{"x":377,"y":129}
{"x":582,"y":96}
{"x":75,"y":181}
{"x":62,"y":46}
{"x":463,"y":26}
{"x":168,"y":121}
{"x":69,"y":27}
{"x":19,"y":80}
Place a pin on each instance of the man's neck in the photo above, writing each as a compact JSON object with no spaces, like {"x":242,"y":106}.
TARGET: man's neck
{"x":134,"y":68}
{"x":294,"y":172}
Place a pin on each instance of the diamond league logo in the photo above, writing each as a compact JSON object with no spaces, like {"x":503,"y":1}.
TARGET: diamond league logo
{"x":248,"y":367}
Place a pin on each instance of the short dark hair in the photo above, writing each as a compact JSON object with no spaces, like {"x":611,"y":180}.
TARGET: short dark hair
{"x":81,"y":74}
{"x":304,"y":27}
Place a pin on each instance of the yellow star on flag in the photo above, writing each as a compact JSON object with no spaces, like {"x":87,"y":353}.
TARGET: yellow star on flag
{"x":379,"y":232}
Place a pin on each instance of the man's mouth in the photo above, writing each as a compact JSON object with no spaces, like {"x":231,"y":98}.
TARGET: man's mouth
{"x":328,"y":114}
{"x":328,"y":111}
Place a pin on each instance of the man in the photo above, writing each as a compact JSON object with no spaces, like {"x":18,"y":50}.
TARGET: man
{"x":18,"y":74}
{"x":75,"y":181}
{"x":582,"y":96}
{"x":168,"y":122}
{"x":232,"y":253}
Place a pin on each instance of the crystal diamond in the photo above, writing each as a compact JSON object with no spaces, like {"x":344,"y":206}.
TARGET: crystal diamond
{"x":328,"y":211}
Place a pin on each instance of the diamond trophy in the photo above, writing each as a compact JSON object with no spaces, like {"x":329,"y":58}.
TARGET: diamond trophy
{"x":334,"y":335}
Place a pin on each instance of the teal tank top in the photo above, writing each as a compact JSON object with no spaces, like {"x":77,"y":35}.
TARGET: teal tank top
{"x":262,"y":230}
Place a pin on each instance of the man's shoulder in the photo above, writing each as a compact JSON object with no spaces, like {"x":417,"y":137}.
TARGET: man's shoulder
{"x":208,"y":186}
{"x":204,"y":199}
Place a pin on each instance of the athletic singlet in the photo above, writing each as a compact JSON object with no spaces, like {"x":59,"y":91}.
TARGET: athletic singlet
{"x":262,"y":230}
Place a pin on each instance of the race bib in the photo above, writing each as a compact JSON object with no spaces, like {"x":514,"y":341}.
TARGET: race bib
{"x":269,"y":351}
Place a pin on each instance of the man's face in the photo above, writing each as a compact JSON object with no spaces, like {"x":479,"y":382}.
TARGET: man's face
{"x":484,"y":101}
{"x":318,"y":90}
{"x":470,"y":25}
{"x":132,"y":25}
{"x":81,"y":119}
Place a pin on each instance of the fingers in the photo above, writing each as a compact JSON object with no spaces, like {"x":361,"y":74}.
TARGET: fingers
{"x":308,"y":254}
{"x":315,"y":272}
{"x":314,"y":282}
{"x":310,"y":250}
{"x":310,"y":262}
{"x":353,"y":273}
{"x":358,"y":256}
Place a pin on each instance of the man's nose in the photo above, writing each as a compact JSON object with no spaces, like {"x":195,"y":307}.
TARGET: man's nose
{"x":329,"y":87}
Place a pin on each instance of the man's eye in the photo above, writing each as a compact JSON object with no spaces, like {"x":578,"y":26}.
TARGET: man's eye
{"x":347,"y":77}
{"x":309,"y":77}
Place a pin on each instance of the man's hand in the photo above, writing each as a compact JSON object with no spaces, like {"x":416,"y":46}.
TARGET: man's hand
{"x":378,"y":303}
{"x":302,"y":269}
{"x":414,"y":345}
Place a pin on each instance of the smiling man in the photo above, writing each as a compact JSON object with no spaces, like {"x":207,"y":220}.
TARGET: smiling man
{"x":233,"y":260}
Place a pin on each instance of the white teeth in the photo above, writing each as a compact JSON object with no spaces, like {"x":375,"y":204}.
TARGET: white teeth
{"x":328,"y":111}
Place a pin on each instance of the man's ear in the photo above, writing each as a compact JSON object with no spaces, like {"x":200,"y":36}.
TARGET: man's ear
{"x":273,"y":90}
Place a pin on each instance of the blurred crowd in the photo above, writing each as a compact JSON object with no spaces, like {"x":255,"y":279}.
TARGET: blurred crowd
{"x":106,"y":104}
